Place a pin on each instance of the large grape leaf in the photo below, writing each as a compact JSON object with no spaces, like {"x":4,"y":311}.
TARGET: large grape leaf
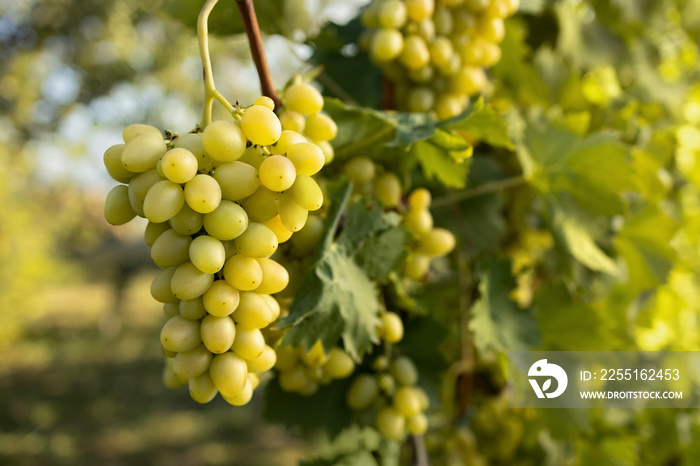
{"x":483,"y":123}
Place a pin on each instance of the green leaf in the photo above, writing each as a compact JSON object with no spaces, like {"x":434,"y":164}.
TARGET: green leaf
{"x":482,"y":122}
{"x":439,"y":165}
{"x":382,"y":254}
{"x":497,"y":322}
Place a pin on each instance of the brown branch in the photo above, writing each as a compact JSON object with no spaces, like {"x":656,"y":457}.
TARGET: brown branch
{"x":252,"y":30}
{"x":420,"y":454}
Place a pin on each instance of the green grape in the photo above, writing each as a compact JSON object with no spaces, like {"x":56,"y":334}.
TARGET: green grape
{"x":138,"y":188}
{"x":193,"y":143}
{"x":362,"y":392}
{"x":217,"y":333}
{"x":387,"y":189}
{"x":262,"y":205}
{"x":229,"y":374}
{"x":448,"y":106}
{"x":241,"y":398}
{"x":249,"y":343}
{"x":118,"y":209}
{"x":257,"y":241}
{"x":113,"y":163}
{"x":492,"y":54}
{"x":404,"y":371}
{"x":165,"y":352}
{"x":293,"y":216}
{"x":386,"y":383}
{"x":228,"y":221}
{"x":253,"y":156}
{"x":464,"y":21}
{"x":163,"y":201}
{"x":286,"y":141}
{"x":189,"y":282}
{"x":419,"y":222}
{"x":221,"y":299}
{"x":419,"y":10}
{"x":419,"y":199}
{"x":253,"y":312}
{"x":438,"y":242}
{"x":416,"y":266}
{"x":443,"y":21}
{"x":292,"y":379}
{"x":339,"y":364}
{"x":491,"y":29}
{"x":253,"y":379}
{"x":423,"y":398}
{"x":170,"y":380}
{"x":277,"y":173}
{"x":391,"y":424}
{"x":286,"y":358}
{"x":407,"y":401}
{"x":469,"y":80}
{"x":426,"y":29}
{"x":179,"y":165}
{"x":420,"y":99}
{"x":441,"y":51}
{"x":392,"y":14}
{"x":320,"y":127}
{"x":307,"y":158}
{"x":390,"y":328}
{"x":131,"y":131}
{"x":170,"y":249}
{"x":203,"y":194}
{"x":275,"y":277}
{"x":327,"y":150}
{"x":265,"y":101}
{"x":274,"y":305}
{"x":306,"y":239}
{"x":369,"y":16}
{"x":417,"y":424}
{"x":143,"y":152}
{"x":192,"y":309}
{"x":386,"y":45}
{"x":264,"y":362}
{"x":316,"y":355}
{"x":415,"y":53}
{"x":472,"y":53}
{"x":260,"y":125}
{"x":243,"y":273}
{"x":381,"y":363}
{"x":292,"y":121}
{"x":171,"y":309}
{"x":359,"y":169}
{"x":275,"y":224}
{"x":191,"y":363}
{"x":187,"y":221}
{"x":477,"y":5}
{"x":207,"y":254}
{"x":202,"y":389}
{"x":302,"y":98}
{"x":160,"y":286}
{"x":512,"y":6}
{"x":223,"y":141}
{"x":179,"y":334}
{"x":238,"y":180}
{"x":452,"y":67}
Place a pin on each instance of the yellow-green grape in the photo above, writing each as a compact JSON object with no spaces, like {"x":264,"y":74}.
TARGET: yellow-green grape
{"x":419,"y":199}
{"x":160,"y":286}
{"x":492,"y":54}
{"x":207,"y":253}
{"x":392,"y":14}
{"x":170,"y":310}
{"x":253,"y":156}
{"x":229,"y":373}
{"x":192,"y":309}
{"x":286,"y":141}
{"x":193,"y":143}
{"x":339,"y":364}
{"x":264,"y":362}
{"x":327,"y":150}
{"x":275,"y":224}
{"x":179,"y":334}
{"x":274,"y":305}
{"x":418,"y":221}
{"x":407,"y":401}
{"x":390,"y":327}
{"x":241,"y":398}
{"x":275,"y":277}
{"x":416,"y":266}
{"x":228,"y":221}
{"x":277,"y":173}
{"x":359,"y":169}
{"x":306,"y":239}
{"x":112,"y":159}
{"x":472,"y":53}
{"x":306,"y":193}
{"x":381,"y":363}
{"x":139,"y":186}
{"x":143,"y":152}
{"x":419,"y":10}
{"x":202,"y":389}
{"x":423,"y":398}
{"x":512,"y":6}
{"x":186,"y":221}
{"x":189,"y":282}
{"x":286,"y":358}
{"x":262,"y":205}
{"x":253,"y":379}
{"x":448,"y":106}
{"x":386,"y":45}
{"x":387,"y":189}
{"x":302,"y":98}
{"x":292,"y":379}
{"x":203,"y":194}
{"x":491,"y":29}
{"x":441,"y":50}
{"x":257,"y":241}
{"x":391,"y":424}
{"x":417,"y":424}
{"x":438,"y":242}
{"x":131,"y":131}
{"x":153,"y":231}
{"x":170,"y":249}
{"x":469,"y":80}
{"x":293,"y":216}
{"x":426,"y":29}
{"x":362,"y":392}
{"x":421,"y":99}
{"x":386,"y":383}
{"x":320,"y":127}
{"x":443,"y":21}
{"x":260,"y":125}
{"x":163,"y":201}
{"x":170,"y":380}
{"x":249,"y":343}
{"x":118,"y":209}
{"x":243,"y":272}
{"x":307,"y":158}
{"x":217,"y":333}
{"x":179,"y":165}
{"x":265,"y":101}
{"x":292,"y":121}
{"x":415,"y":54}
{"x":253,"y":312}
{"x":404,"y":371}
{"x":452,"y":67}
{"x":191,"y":363}
{"x":223,"y":141}
{"x":238,"y":180}
{"x":316,"y":355}
{"x":221,"y":299}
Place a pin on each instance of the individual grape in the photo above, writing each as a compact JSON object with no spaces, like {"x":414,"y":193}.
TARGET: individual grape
{"x":249,"y":343}
{"x":293,"y":379}
{"x":404,"y":371}
{"x":264,"y":362}
{"x":160,"y":286}
{"x":302,"y":98}
{"x":229,"y":374}
{"x":327,"y":150}
{"x":223,"y":141}
{"x":386,"y":45}
{"x":491,"y":29}
{"x":387,"y":190}
{"x":228,"y":221}
{"x":415,"y":53}
{"x":390,"y":328}
{"x":253,"y":379}
{"x":217,"y":333}
{"x":448,"y":106}
{"x":170,"y":380}
{"x":265,"y":101}
{"x":192,"y":309}
{"x":131,"y":131}
{"x":170,"y":310}
{"x":443,"y":21}
{"x":419,"y":10}
{"x":421,"y":99}
{"x":362,"y":392}
{"x":202,"y":389}
{"x":386,"y":383}
{"x":286,"y":358}
{"x":253,"y":156}
{"x":118,"y":209}
{"x":179,"y":165}
{"x":419,"y":199}
{"x":203,"y":194}
{"x":275,"y":277}
{"x":274,"y":305}
{"x":491,"y":54}
{"x":286,"y":141}
{"x":262,"y":205}
{"x":163,"y":201}
{"x":441,"y":50}
{"x":392,"y":14}
{"x":238,"y":180}
{"x":189,"y":282}
{"x":191,"y":363}
{"x":112,"y":159}
{"x":469,"y":80}
{"x":423,"y":398}
{"x":417,"y":424}
{"x":416,"y":266}
{"x":207,"y":253}
{"x":260,"y":125}
{"x":438,"y":242}
{"x":257,"y":241}
{"x":187,"y":221}
{"x":316,"y":355}
{"x":243,"y":272}
{"x":307,"y":158}
{"x":391,"y":424}
{"x":170,"y":249}
{"x":320,"y":127}
{"x":407,"y":401}
{"x":193,"y":143}
{"x":418,"y":222}
{"x":253,"y":311}
{"x":241,"y":398}
{"x":179,"y":334}
{"x":293,"y":216}
{"x":153,"y":231}
{"x":339,"y":364}
{"x":292,"y":121}
{"x":275,"y":224}
{"x":221,"y":299}
{"x":306,"y":193}
{"x":277,"y":173}
{"x":143,"y":152}
{"x":426,"y":29}
{"x":138,"y":188}
{"x":359,"y":169}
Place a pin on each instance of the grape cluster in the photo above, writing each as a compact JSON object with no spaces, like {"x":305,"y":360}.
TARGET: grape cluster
{"x":218,"y":204}
{"x":435,"y":51}
{"x":304,"y":372}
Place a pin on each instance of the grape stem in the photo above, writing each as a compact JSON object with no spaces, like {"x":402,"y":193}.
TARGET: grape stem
{"x":210,"y":92}
{"x":252,"y":30}
{"x":487,"y":188}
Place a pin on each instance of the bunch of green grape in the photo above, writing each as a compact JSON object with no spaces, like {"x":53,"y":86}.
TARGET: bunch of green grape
{"x":218,"y":204}
{"x":304,"y":372}
{"x":435,"y":51}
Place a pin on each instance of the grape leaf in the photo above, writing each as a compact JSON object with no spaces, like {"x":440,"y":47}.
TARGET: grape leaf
{"x":483,"y":123}
{"x":438,"y":164}
{"x":382,"y":254}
